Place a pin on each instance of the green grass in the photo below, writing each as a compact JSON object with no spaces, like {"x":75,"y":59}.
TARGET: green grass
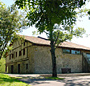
{"x":2,"y":65}
{"x":54,"y":78}
{"x":5,"y":80}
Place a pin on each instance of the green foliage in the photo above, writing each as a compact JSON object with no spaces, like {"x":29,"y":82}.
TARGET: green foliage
{"x":5,"y":80}
{"x":54,"y":78}
{"x":11,"y":22}
{"x":2,"y":65}
{"x":45,"y":14}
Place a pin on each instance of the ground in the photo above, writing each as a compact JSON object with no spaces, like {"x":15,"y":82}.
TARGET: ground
{"x":80,"y":79}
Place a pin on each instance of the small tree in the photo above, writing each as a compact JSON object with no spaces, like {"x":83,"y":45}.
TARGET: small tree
{"x":54,"y":17}
{"x":11,"y":22}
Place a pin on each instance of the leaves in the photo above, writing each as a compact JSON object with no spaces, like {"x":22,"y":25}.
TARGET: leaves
{"x":45,"y":14}
{"x":10,"y":23}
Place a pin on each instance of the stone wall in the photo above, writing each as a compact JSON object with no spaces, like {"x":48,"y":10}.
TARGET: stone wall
{"x":39,"y":59}
{"x":43,"y":61}
{"x":22,"y":60}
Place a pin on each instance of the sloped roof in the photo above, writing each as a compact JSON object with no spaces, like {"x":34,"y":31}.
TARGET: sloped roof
{"x":42,"y":41}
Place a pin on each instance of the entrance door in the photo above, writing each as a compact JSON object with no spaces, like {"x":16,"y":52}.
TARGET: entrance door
{"x":11,"y":68}
{"x":18,"y":68}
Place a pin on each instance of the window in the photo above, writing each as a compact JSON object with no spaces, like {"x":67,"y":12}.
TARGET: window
{"x":9,"y":56}
{"x":24,"y":51}
{"x":75,"y":52}
{"x":24,"y":43}
{"x":26,"y":66}
{"x":12,"y":55}
{"x":88,"y":55}
{"x":66,"y":51}
{"x":20,"y":53}
{"x":16,"y":54}
{"x":70,"y":51}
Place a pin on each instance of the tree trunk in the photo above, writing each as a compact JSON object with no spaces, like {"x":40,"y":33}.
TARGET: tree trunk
{"x":54,"y":68}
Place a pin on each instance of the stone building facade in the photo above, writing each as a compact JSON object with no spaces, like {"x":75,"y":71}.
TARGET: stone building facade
{"x":32,"y":55}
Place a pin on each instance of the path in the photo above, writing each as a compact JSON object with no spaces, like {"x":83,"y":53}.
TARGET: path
{"x":37,"y":80}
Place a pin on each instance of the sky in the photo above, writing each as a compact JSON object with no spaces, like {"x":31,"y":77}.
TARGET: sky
{"x":84,"y":23}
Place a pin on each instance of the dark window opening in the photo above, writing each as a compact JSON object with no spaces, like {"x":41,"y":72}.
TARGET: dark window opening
{"x":12,"y":55}
{"x":16,"y":54}
{"x":24,"y":51}
{"x":20,"y":53}
{"x":12,"y":68}
{"x":24,"y":43}
{"x":18,"y":68}
{"x":26,"y":66}
{"x":9,"y":56}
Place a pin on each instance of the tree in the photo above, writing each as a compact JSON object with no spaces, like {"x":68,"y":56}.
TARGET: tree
{"x":11,"y":22}
{"x":54,"y":17}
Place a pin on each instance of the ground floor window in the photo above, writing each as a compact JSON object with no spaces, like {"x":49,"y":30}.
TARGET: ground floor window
{"x":18,"y":68}
{"x":11,"y":68}
{"x":26,"y":66}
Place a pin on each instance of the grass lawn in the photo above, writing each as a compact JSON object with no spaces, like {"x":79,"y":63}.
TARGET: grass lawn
{"x":54,"y":78}
{"x":5,"y":80}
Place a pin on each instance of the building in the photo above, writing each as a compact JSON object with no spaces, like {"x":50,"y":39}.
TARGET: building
{"x":32,"y":55}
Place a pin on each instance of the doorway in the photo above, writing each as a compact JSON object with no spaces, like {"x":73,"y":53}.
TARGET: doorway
{"x":18,"y":68}
{"x":11,"y":68}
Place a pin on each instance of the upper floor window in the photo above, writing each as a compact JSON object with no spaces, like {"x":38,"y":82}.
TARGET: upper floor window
{"x":24,"y":51}
{"x":70,"y":51}
{"x":9,"y":56}
{"x":88,"y":55}
{"x":24,"y":43}
{"x":12,"y":55}
{"x":66,"y":51}
{"x":75,"y":52}
{"x":20,"y":53}
{"x":16,"y":54}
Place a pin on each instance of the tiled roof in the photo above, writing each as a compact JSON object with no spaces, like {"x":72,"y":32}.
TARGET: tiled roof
{"x":42,"y":41}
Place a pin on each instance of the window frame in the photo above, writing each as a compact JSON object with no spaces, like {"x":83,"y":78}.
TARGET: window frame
{"x":70,"y":51}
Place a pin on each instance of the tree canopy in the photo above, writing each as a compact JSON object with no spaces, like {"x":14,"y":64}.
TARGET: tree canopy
{"x":10,"y":23}
{"x":54,"y":17}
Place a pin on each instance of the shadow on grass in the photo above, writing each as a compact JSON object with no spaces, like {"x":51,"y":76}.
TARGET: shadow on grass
{"x":73,"y":81}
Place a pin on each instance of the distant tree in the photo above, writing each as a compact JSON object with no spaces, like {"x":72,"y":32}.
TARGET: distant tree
{"x":54,"y":17}
{"x":11,"y":22}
